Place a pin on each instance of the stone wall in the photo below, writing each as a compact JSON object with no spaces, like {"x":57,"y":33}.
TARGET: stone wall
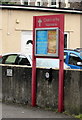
{"x":16,"y":87}
{"x":72,"y":91}
{"x":76,"y":5}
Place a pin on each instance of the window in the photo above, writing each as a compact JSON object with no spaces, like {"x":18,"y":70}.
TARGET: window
{"x":23,"y":60}
{"x":11,"y":59}
{"x":25,"y":3}
{"x":0,"y":60}
{"x":66,"y":40}
{"x":38,"y":3}
{"x":65,"y":54}
{"x":74,"y":59}
{"x":53,"y":2}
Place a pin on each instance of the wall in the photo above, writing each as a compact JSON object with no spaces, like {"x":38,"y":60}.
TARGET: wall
{"x":72,"y":91}
{"x":76,"y":5}
{"x":0,"y":31}
{"x":80,"y":31}
{"x":17,"y":88}
{"x":72,"y":26}
{"x":16,"y":21}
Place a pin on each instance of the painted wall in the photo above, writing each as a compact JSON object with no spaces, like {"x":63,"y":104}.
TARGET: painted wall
{"x":81,"y":31}
{"x":16,"y":21}
{"x":72,"y":26}
{"x":0,"y":31}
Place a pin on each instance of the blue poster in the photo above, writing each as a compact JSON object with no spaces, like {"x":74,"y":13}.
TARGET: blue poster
{"x":41,"y":42}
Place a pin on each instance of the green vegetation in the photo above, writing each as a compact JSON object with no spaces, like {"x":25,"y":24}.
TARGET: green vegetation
{"x":78,"y":116}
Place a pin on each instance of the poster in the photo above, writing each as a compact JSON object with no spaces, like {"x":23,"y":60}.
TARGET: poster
{"x":52,"y":41}
{"x":41,"y":42}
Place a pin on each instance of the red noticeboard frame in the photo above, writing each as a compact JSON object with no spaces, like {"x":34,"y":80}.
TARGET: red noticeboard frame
{"x":50,"y":21}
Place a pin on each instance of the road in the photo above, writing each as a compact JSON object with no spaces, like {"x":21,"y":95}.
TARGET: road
{"x":24,"y":111}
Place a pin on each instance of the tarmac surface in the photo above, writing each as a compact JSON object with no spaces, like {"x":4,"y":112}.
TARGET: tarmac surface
{"x":24,"y":111}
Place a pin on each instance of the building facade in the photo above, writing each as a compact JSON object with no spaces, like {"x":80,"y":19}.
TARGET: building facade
{"x":16,"y":26}
{"x":73,"y":4}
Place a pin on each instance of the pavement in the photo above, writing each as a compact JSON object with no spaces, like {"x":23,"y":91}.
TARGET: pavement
{"x":26,"y":111}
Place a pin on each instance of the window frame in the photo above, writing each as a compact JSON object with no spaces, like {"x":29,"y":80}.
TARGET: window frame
{"x":67,"y":33}
{"x":54,"y":4}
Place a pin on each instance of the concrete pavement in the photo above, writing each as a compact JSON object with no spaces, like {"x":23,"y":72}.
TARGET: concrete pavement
{"x":24,"y":111}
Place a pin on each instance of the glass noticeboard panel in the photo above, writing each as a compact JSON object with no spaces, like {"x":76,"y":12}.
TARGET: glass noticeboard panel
{"x":46,"y":42}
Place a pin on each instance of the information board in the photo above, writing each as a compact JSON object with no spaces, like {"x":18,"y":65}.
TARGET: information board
{"x":46,"y":42}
